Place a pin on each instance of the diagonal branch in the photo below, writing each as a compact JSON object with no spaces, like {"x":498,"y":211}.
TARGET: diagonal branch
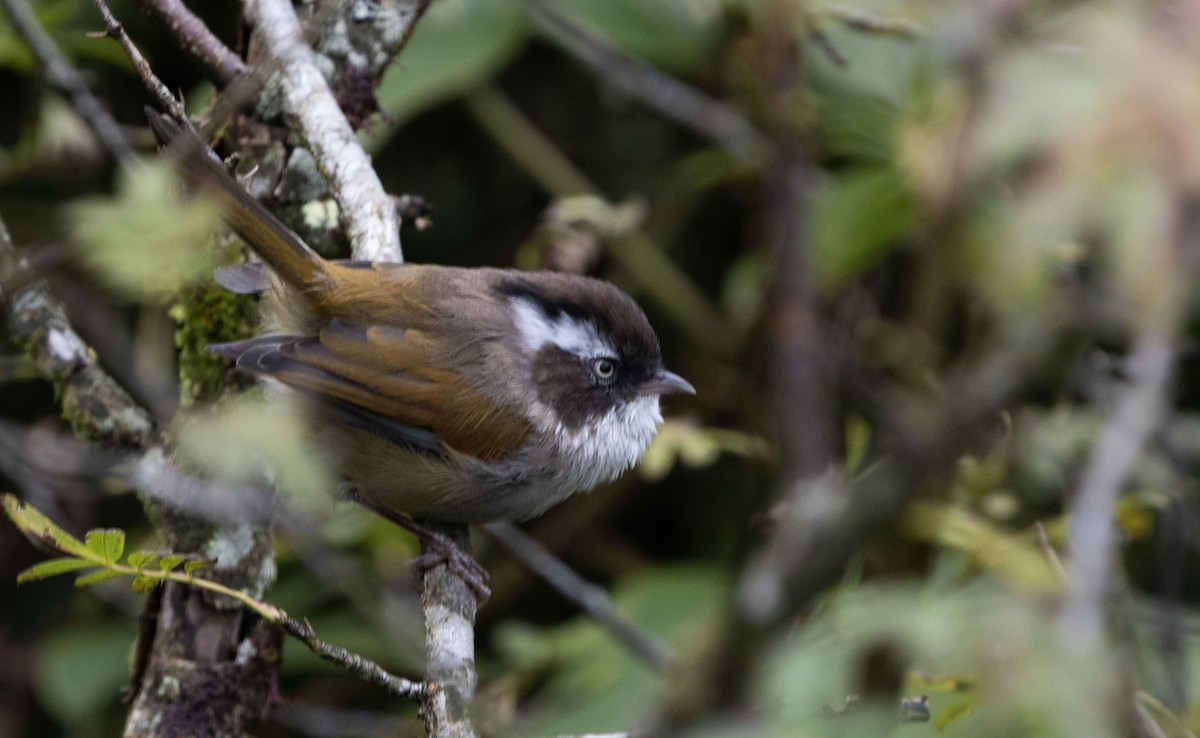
{"x":676,"y":100}
{"x":195,"y":38}
{"x":591,"y":599}
{"x":159,"y":91}
{"x":367,"y":211}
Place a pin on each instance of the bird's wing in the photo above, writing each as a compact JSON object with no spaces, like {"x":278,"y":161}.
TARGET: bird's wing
{"x":378,"y":379}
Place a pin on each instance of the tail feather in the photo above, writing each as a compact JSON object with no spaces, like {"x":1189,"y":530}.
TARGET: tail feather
{"x":278,"y":245}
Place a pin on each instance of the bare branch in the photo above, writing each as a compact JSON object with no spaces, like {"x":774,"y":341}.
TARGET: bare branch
{"x":591,"y":598}
{"x":114,"y":30}
{"x":92,"y":401}
{"x":364,"y":668}
{"x":1042,"y":539}
{"x":195,"y":38}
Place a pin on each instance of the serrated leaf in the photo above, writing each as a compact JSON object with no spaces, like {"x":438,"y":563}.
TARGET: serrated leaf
{"x":143,"y":583}
{"x":106,"y":543}
{"x":52,"y":567}
{"x":40,"y":529}
{"x":167,"y":563}
{"x":96,"y":577}
{"x":195,"y":565}
{"x":140,"y":559}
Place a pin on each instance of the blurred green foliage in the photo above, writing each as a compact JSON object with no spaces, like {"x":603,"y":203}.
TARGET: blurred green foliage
{"x":972,"y":184}
{"x":130,"y":245}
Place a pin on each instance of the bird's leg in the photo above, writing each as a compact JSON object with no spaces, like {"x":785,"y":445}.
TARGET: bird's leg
{"x":439,"y":547}
{"x":442,"y":549}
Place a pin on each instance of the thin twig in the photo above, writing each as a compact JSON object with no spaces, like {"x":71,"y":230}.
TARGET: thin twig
{"x":591,"y":598}
{"x":195,"y":38}
{"x":159,"y":91}
{"x":59,"y":73}
{"x":364,"y":668}
{"x":367,"y":212}
{"x":826,"y":44}
{"x":861,"y":20}
{"x":680,"y":102}
{"x":1042,"y":539}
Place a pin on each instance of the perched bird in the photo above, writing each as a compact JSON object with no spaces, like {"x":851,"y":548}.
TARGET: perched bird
{"x":460,"y":395}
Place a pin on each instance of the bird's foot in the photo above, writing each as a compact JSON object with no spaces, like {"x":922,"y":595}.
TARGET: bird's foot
{"x":442,"y":549}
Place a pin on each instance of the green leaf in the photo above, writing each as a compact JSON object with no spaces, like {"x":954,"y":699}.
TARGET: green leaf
{"x":458,"y":45}
{"x":857,"y":441}
{"x":40,"y":529}
{"x":855,"y":126}
{"x":238,"y":442}
{"x":140,"y":559}
{"x":143,"y":583}
{"x":955,"y":710}
{"x":52,"y":567}
{"x":856,"y":218}
{"x":167,"y":563}
{"x":195,"y":565}
{"x":595,"y":685}
{"x":80,"y":669}
{"x":677,"y":35}
{"x":96,"y":577}
{"x":145,"y":241}
{"x":106,"y":543}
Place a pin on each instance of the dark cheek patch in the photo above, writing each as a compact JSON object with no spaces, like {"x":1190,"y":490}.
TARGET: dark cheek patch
{"x":563,"y":383}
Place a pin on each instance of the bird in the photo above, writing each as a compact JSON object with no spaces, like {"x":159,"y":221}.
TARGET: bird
{"x":457,"y":395}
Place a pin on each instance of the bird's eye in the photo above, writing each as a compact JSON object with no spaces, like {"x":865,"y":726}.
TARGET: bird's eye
{"x":604,"y":368}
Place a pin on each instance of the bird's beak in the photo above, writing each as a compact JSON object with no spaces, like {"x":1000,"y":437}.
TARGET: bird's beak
{"x":667,"y":383}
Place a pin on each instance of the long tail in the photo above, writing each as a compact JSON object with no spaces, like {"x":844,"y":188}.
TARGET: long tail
{"x":278,"y":245}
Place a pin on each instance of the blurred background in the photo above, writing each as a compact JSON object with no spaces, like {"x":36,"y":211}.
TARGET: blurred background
{"x":930,"y":265}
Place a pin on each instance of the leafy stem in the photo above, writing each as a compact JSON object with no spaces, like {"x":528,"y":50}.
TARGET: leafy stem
{"x":100,"y":552}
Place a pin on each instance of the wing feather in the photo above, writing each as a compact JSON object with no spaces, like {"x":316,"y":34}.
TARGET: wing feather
{"x":378,"y":379}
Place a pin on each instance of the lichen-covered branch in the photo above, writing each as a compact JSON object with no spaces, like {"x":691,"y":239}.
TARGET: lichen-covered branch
{"x":95,"y":406}
{"x":312,"y":109}
{"x":449,"y":606}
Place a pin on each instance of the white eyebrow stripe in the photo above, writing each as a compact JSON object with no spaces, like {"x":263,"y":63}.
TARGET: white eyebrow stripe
{"x":578,"y":337}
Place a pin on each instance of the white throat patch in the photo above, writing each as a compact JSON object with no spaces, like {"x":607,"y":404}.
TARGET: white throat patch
{"x":578,"y":337}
